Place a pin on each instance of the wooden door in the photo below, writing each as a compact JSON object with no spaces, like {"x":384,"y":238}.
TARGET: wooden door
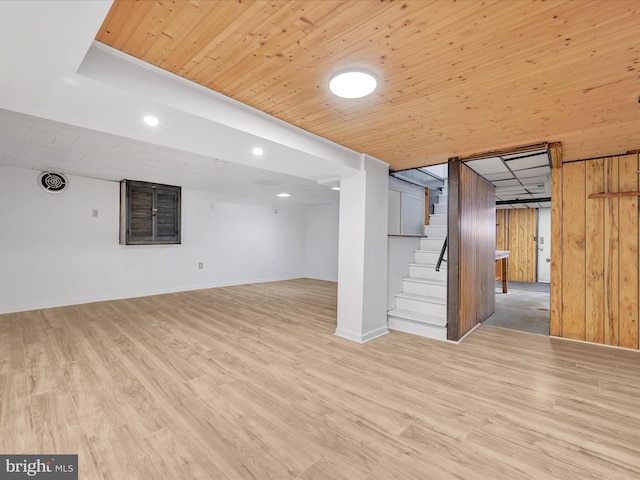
{"x":471,"y":296}
{"x":523,"y":233}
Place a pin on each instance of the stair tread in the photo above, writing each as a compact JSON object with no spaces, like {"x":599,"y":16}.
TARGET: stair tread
{"x":422,"y":298}
{"x":429,"y":265}
{"x":427,"y":281}
{"x":422,"y":250}
{"x":435,"y":320}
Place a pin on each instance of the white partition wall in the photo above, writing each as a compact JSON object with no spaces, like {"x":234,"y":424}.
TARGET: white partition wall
{"x":362,"y":257}
{"x":406,"y":208}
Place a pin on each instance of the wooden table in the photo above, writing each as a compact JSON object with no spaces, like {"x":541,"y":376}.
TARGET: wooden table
{"x":501,"y":268}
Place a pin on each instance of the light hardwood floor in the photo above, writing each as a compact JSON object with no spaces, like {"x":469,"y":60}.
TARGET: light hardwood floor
{"x":250,"y":382}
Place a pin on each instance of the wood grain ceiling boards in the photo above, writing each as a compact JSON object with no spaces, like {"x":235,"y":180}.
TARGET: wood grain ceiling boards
{"x":458,"y":78}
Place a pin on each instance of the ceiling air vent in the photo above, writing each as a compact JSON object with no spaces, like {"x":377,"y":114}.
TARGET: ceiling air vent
{"x":52,"y":182}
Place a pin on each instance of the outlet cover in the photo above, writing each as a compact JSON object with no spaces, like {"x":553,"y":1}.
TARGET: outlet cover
{"x":200,"y":265}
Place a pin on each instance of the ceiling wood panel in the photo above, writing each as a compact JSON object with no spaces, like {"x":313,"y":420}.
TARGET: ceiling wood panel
{"x":457,"y":78}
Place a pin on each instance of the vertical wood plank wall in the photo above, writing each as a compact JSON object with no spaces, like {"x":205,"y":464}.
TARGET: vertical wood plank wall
{"x":502,"y":229}
{"x":596,"y":280}
{"x":472,"y":241}
{"x":515,"y":231}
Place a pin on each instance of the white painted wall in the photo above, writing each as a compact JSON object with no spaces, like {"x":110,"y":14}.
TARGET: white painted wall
{"x":401,"y":254}
{"x":321,"y":242}
{"x":406,"y":208}
{"x":53,"y":252}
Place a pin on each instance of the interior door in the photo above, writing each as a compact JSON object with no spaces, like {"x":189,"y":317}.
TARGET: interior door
{"x":544,"y":245}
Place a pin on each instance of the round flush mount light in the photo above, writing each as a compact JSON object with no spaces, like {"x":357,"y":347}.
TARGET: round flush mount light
{"x":257,"y":151}
{"x":283,"y":195}
{"x":353,"y":83}
{"x":151,"y":121}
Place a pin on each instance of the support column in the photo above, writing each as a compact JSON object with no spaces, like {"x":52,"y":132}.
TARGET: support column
{"x":362,"y":256}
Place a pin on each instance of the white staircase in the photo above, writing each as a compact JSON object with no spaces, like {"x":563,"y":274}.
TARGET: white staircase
{"x":421,"y":307}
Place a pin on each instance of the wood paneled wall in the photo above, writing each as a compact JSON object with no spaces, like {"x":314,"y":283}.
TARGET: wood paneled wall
{"x":516,"y":230}
{"x":472,"y":241}
{"x":502,"y":229}
{"x":597,"y":265}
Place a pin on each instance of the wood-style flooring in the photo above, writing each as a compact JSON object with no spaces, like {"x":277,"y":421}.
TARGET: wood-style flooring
{"x":249,"y":382}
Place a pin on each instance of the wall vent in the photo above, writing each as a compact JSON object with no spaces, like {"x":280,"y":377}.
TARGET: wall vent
{"x":52,"y":182}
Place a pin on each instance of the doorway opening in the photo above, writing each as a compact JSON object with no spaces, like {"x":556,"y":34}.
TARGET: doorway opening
{"x":523,"y":228}
{"x":522,"y":180}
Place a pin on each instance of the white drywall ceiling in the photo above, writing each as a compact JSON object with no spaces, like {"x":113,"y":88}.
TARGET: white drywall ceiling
{"x":53,"y":69}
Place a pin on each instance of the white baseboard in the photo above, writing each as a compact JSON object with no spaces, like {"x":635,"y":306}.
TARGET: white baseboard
{"x":143,"y":293}
{"x":362,"y":337}
{"x":320,"y":277}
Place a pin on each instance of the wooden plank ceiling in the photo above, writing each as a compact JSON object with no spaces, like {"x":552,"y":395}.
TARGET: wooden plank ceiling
{"x":457,"y":78}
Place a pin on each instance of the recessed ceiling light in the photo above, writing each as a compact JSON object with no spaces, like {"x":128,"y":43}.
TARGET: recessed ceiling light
{"x":352,"y":83}
{"x":151,"y":120}
{"x":283,"y":195}
{"x":337,"y":189}
{"x":258,"y":151}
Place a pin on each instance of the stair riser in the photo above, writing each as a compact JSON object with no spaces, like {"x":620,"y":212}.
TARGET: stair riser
{"x":427,"y":257}
{"x":440,"y":208}
{"x":430,"y":290}
{"x":443,"y":199}
{"x":431,"y":244}
{"x":421,"y":307}
{"x":423,"y":330}
{"x":438,"y":231}
{"x":437,"y":220}
{"x":428,"y":273}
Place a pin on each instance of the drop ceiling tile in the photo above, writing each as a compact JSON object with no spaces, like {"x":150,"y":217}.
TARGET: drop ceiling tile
{"x":510,"y":189}
{"x":533,"y":172}
{"x":515,"y":196}
{"x":518,"y":196}
{"x":498,"y":176}
{"x":528,"y":162}
{"x":541,"y":195}
{"x":534,"y":180}
{"x":507,"y":183}
{"x":487,"y":166}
